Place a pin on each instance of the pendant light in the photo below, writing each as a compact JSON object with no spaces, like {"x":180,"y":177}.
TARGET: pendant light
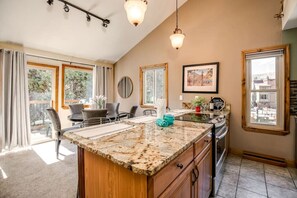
{"x":135,"y":10}
{"x":177,"y":38}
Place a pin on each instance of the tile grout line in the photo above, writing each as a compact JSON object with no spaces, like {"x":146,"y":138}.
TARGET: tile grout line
{"x":265,"y":181}
{"x":292,"y":178}
{"x":238,"y":178}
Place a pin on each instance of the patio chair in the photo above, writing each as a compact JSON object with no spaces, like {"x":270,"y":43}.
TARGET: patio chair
{"x":113,"y":110}
{"x":131,"y":114}
{"x":57,"y":127}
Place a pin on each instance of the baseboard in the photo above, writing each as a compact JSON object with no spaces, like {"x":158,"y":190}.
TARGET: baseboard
{"x":239,"y":152}
{"x":268,"y":159}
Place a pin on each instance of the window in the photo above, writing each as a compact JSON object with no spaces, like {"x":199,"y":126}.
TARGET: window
{"x":77,"y":85}
{"x":153,"y":84}
{"x":265,"y":86}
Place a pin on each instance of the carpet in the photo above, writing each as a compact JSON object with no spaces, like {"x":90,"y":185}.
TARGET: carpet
{"x":37,"y":172}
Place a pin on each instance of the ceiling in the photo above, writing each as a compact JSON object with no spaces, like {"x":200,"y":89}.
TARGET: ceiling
{"x":35,"y":24}
{"x":289,"y":20}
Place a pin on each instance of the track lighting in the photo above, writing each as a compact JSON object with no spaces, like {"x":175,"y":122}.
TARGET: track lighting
{"x":105,"y":22}
{"x":50,"y":2}
{"x":88,"y":17}
{"x":66,"y":8}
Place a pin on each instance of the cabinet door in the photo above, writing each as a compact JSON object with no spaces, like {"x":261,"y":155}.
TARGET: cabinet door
{"x":207,"y":176}
{"x":204,"y":181}
{"x":182,"y":186}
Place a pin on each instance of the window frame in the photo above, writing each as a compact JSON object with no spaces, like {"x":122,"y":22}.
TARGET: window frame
{"x":286,"y":91}
{"x":64,"y":66}
{"x":55,"y":104}
{"x":141,"y":84}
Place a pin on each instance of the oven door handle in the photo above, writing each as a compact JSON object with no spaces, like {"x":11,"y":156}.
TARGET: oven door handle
{"x":224,"y":134}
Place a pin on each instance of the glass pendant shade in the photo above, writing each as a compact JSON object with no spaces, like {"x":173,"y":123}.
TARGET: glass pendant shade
{"x":177,"y":39}
{"x":135,"y":10}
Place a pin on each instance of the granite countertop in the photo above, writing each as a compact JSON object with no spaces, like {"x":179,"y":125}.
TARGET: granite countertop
{"x":146,"y":148}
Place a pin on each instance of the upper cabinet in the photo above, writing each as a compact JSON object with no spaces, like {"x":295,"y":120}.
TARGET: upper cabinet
{"x":289,"y":20}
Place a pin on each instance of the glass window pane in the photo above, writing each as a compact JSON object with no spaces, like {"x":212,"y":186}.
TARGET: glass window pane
{"x":160,"y":84}
{"x":78,"y":86}
{"x":149,"y":87}
{"x":263,"y":73}
{"x":264,"y":108}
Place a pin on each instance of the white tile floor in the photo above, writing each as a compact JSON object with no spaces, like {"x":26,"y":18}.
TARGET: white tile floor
{"x":249,"y":179}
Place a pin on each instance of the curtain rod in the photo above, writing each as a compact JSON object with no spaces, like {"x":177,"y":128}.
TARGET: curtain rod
{"x":55,"y":59}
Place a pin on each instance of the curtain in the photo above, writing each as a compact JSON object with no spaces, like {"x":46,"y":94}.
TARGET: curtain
{"x":14,"y":100}
{"x":102,"y":82}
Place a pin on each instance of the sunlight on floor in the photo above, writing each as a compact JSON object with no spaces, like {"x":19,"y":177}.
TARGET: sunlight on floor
{"x":46,"y":152}
{"x":2,"y":174}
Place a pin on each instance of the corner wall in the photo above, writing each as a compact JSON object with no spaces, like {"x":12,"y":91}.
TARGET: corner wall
{"x":215,"y":31}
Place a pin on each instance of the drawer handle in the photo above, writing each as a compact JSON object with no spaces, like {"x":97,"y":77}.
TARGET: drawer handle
{"x":207,"y":141}
{"x":180,"y":166}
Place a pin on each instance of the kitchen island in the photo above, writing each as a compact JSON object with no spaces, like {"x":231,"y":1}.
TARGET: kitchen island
{"x":144,"y":160}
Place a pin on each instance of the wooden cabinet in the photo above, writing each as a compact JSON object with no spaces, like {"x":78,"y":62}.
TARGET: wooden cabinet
{"x":187,"y":176}
{"x":182,"y":186}
{"x":203,"y":167}
{"x":196,"y":180}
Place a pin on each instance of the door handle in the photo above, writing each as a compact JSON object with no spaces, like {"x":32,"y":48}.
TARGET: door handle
{"x":195,"y":177}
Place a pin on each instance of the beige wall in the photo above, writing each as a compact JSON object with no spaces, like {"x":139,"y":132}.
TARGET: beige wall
{"x":215,"y":31}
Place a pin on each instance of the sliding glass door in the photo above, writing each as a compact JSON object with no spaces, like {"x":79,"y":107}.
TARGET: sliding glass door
{"x":43,"y":93}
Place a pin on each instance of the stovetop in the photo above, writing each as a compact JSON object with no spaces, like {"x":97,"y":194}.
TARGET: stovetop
{"x":197,"y":117}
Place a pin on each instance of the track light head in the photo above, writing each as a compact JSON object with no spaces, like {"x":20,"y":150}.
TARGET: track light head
{"x":105,"y":23}
{"x":50,"y":2}
{"x":88,"y":17}
{"x":66,"y":8}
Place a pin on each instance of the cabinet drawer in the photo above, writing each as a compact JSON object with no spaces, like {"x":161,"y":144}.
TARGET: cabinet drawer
{"x":168,"y":174}
{"x":202,"y":143}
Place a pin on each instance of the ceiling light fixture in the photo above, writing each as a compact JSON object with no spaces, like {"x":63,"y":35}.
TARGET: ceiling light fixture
{"x":105,"y":22}
{"x":177,"y":38}
{"x":135,"y":10}
{"x":50,"y":2}
{"x":66,"y":8}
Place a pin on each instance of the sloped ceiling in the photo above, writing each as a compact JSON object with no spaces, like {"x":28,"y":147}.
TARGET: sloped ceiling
{"x":35,"y":24}
{"x":289,"y":20}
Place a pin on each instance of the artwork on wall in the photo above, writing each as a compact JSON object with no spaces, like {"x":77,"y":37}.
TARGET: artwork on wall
{"x":201,"y":78}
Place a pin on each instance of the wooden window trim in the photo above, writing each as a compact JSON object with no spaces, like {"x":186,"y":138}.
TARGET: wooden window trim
{"x":55,"y":103}
{"x":64,"y":66}
{"x":286,"y":130}
{"x":141,"y":69}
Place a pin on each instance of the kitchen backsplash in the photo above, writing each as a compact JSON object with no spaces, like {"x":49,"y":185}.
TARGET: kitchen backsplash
{"x":293,"y":97}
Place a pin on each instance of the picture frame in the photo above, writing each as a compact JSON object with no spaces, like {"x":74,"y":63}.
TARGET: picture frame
{"x":201,"y":78}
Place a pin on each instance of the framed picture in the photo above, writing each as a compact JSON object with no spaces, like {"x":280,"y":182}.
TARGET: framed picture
{"x":201,"y":78}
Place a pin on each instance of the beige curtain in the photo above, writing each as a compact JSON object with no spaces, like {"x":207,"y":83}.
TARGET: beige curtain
{"x":14,"y":101}
{"x":103,"y":82}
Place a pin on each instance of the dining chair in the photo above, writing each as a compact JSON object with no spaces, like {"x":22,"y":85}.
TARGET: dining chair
{"x":93,"y":117}
{"x":113,"y":110}
{"x":76,"y":113}
{"x":149,"y":111}
{"x":57,"y":127}
{"x":76,"y":108}
{"x":131,"y":114}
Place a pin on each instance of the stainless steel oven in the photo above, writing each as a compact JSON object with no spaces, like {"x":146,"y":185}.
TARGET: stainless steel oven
{"x":219,"y":155}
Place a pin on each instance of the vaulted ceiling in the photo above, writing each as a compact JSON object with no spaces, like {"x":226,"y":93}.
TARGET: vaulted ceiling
{"x":35,"y":24}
